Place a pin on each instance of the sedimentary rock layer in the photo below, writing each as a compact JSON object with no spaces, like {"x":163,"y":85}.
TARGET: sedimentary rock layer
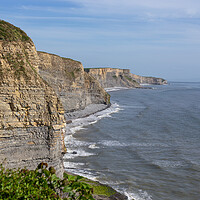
{"x":31,"y":115}
{"x":149,"y":80}
{"x":111,"y":77}
{"x":76,"y":88}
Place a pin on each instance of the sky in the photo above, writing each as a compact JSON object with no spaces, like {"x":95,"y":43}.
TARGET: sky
{"x":151,"y":37}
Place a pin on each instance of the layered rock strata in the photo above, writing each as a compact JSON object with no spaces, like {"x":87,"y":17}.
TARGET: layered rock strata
{"x":31,"y":115}
{"x":76,"y":88}
{"x":148,"y":80}
{"x":111,"y":77}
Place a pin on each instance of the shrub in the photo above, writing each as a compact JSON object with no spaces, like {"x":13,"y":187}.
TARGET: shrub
{"x":42,"y":183}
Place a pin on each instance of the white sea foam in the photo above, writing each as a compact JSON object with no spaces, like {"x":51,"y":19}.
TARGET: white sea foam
{"x":142,"y":195}
{"x":70,"y":141}
{"x":74,"y":146}
{"x":80,"y":123}
{"x":113,"y":143}
{"x":136,"y":195}
{"x":148,"y":145}
{"x":72,"y":165}
{"x":77,"y":153}
{"x":169,"y":164}
{"x":115,"y":89}
{"x":86,"y":173}
{"x":93,"y":146}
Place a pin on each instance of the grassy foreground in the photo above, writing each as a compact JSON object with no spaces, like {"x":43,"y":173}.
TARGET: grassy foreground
{"x":42,"y":183}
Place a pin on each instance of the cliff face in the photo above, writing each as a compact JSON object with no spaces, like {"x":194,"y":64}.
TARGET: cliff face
{"x":76,"y":88}
{"x":31,"y":115}
{"x":111,"y":77}
{"x":149,"y":80}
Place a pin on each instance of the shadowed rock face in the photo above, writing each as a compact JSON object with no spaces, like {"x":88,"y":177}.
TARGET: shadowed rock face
{"x":76,"y":88}
{"x":111,"y":77}
{"x":31,"y":115}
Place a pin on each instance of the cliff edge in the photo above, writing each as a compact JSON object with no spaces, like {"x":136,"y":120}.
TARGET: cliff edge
{"x":148,"y":80}
{"x":112,"y":77}
{"x":76,"y":88}
{"x":31,"y":115}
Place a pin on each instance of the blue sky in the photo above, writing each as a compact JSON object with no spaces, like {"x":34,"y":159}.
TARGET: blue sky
{"x":151,"y":37}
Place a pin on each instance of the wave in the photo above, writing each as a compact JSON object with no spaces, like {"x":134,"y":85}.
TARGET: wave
{"x":115,"y":143}
{"x":76,"y":148}
{"x":169,"y":164}
{"x":93,"y":146}
{"x":71,"y":154}
{"x":72,"y":165}
{"x":111,"y":89}
{"x":90,"y":174}
{"x":80,"y":123}
{"x":136,"y":194}
{"x":141,"y":195}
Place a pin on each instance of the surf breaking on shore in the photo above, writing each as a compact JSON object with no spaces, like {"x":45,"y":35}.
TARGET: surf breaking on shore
{"x":80,"y":120}
{"x":77,"y":149}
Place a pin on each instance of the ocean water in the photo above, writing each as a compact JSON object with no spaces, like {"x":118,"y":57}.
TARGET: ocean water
{"x":146,"y":145}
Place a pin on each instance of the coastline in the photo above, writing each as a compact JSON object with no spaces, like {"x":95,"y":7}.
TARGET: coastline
{"x":102,"y":191}
{"x":87,"y":111}
{"x":71,"y":117}
{"x":113,"y":89}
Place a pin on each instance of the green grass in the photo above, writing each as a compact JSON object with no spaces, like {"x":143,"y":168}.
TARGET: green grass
{"x":130,"y":79}
{"x":9,"y":32}
{"x":68,"y":59}
{"x":17,"y":65}
{"x":103,"y":190}
{"x":99,"y":189}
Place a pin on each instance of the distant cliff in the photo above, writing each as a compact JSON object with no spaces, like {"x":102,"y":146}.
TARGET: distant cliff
{"x":112,"y":77}
{"x":149,"y":80}
{"x":31,"y":115}
{"x":76,"y":88}
{"x":37,"y":88}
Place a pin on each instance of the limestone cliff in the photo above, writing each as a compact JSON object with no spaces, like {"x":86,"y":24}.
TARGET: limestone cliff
{"x":31,"y":115}
{"x":149,"y":80}
{"x":76,"y":88}
{"x":112,"y":77}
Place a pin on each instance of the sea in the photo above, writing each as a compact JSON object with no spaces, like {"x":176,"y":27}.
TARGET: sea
{"x":146,"y":145}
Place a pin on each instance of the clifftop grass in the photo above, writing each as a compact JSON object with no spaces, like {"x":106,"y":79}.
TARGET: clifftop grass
{"x":68,"y":59}
{"x":9,"y":32}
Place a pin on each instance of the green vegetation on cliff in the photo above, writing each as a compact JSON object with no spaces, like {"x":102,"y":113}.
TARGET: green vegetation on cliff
{"x":9,"y":32}
{"x":67,"y":59}
{"x":131,"y":80}
{"x":42,"y":183}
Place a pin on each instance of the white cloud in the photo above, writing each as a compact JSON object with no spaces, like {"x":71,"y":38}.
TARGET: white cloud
{"x":143,"y":9}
